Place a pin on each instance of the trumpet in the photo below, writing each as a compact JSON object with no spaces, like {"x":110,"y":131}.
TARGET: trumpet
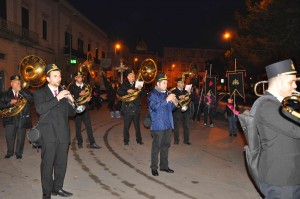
{"x":286,"y":103}
{"x":73,"y":103}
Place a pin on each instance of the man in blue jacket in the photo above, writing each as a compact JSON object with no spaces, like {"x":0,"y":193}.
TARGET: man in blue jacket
{"x":160,"y":107}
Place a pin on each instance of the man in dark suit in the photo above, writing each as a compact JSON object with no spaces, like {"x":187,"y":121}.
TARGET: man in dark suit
{"x":54,"y":107}
{"x":78,"y":89}
{"x":278,"y":170}
{"x":15,"y":125}
{"x":131,"y":109}
{"x":180,"y":116}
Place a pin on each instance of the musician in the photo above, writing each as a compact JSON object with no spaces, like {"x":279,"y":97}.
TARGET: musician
{"x":131,"y":110}
{"x":209,"y":105}
{"x":232,"y":111}
{"x":78,"y":90}
{"x":15,"y":126}
{"x":179,"y":116}
{"x":53,"y":106}
{"x":160,"y":106}
{"x":278,"y":168}
{"x":114,"y":105}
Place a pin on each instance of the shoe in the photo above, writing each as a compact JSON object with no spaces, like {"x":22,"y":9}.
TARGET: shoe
{"x":212,"y":125}
{"x":95,"y":146}
{"x":61,"y":193}
{"x":154,"y":172}
{"x":19,"y":156}
{"x":205,"y":124}
{"x":126,"y":143}
{"x":118,"y":115}
{"x":7,"y":156}
{"x":112,"y":114}
{"x":80,"y":146}
{"x":46,"y":196}
{"x":188,"y":143}
{"x":168,"y":170}
{"x":176,"y":142}
{"x":140,"y":142}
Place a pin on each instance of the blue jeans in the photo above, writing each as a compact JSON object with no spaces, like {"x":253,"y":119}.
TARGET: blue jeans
{"x":232,"y":125}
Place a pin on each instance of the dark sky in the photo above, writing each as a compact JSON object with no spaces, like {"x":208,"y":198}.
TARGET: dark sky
{"x":164,"y":23}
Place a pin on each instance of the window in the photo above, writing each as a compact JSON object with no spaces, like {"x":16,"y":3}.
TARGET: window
{"x":96,"y":53}
{"x":80,"y":46}
{"x":25,"y":18}
{"x":89,"y":47}
{"x":44,"y":29}
{"x":68,"y":41}
{"x":3,"y":13}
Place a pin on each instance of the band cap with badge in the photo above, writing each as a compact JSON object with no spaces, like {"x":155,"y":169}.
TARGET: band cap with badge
{"x":51,"y":67}
{"x":285,"y":67}
{"x":161,"y":77}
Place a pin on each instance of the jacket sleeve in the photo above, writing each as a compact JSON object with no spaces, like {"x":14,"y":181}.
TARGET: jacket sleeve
{"x":28,"y":96}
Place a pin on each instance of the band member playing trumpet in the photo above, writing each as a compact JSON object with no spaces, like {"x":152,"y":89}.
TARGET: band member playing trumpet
{"x":160,"y":105}
{"x":54,"y":107}
{"x":181,"y":116}
{"x":77,"y":90}
{"x":15,"y":125}
{"x":278,"y":168}
{"x":131,"y":109}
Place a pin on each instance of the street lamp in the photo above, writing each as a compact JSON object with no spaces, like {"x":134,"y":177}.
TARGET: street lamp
{"x":117,"y":48}
{"x":134,"y":62}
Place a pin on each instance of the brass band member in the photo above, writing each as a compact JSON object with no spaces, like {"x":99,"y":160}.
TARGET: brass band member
{"x":181,"y":117}
{"x":77,"y":90}
{"x":15,"y":126}
{"x":131,"y":110}
{"x":160,"y":107}
{"x":54,"y":108}
{"x":278,"y":168}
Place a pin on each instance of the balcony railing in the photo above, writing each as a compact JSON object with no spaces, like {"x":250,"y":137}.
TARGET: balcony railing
{"x":15,"y":30}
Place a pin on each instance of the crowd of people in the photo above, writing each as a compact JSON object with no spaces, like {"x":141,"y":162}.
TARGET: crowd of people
{"x":279,"y":136}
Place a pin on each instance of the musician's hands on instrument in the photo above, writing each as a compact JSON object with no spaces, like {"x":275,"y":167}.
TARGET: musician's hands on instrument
{"x":13,"y":101}
{"x":172,"y":98}
{"x":139,"y":87}
{"x":65,"y":94}
{"x":181,"y":96}
{"x":88,"y":99}
{"x":82,"y":93}
{"x":130,"y":90}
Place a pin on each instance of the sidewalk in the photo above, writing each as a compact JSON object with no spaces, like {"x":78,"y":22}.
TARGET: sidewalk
{"x":211,"y":168}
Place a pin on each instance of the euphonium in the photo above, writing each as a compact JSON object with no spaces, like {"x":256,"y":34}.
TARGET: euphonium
{"x":295,"y":98}
{"x":15,"y":109}
{"x":182,"y":103}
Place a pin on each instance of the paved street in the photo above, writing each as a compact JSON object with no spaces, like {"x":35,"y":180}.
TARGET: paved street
{"x":211,"y":168}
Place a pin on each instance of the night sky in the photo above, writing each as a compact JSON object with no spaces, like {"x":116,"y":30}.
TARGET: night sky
{"x":164,"y":23}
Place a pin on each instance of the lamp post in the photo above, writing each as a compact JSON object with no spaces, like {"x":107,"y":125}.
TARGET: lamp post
{"x":117,"y":47}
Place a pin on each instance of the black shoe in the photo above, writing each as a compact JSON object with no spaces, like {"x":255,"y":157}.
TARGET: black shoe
{"x":154,"y":172}
{"x":46,"y":196}
{"x":7,"y":156}
{"x":188,"y":143}
{"x":19,"y":156}
{"x":176,"y":142}
{"x":168,"y":170}
{"x":140,"y":142}
{"x":80,"y":146}
{"x":95,"y":146}
{"x":61,"y":193}
{"x":126,"y":143}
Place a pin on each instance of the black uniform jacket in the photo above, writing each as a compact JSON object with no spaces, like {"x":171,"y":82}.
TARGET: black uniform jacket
{"x":55,"y":126}
{"x":24,"y":116}
{"x":75,"y":90}
{"x":279,"y":163}
{"x":123,"y":91}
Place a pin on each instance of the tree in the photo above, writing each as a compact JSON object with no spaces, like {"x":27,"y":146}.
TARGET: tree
{"x":268,"y":32}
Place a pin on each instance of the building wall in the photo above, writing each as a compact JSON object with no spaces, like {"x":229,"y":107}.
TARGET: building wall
{"x":61,"y":17}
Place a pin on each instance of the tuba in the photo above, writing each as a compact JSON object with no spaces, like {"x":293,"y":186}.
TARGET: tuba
{"x":288,"y":102}
{"x":147,"y":74}
{"x":31,"y":70}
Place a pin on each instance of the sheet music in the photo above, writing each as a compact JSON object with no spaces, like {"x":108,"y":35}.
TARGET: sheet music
{"x":139,"y":83}
{"x":188,"y":87}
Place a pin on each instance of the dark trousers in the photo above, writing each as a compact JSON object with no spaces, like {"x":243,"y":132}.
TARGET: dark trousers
{"x":179,"y":117}
{"x":160,"y":145}
{"x":208,"y":113}
{"x":11,"y":132}
{"x":53,"y":166}
{"x":232,"y":125}
{"x":85,"y":118}
{"x":128,"y":118}
{"x":197,"y":112}
{"x":280,"y":192}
